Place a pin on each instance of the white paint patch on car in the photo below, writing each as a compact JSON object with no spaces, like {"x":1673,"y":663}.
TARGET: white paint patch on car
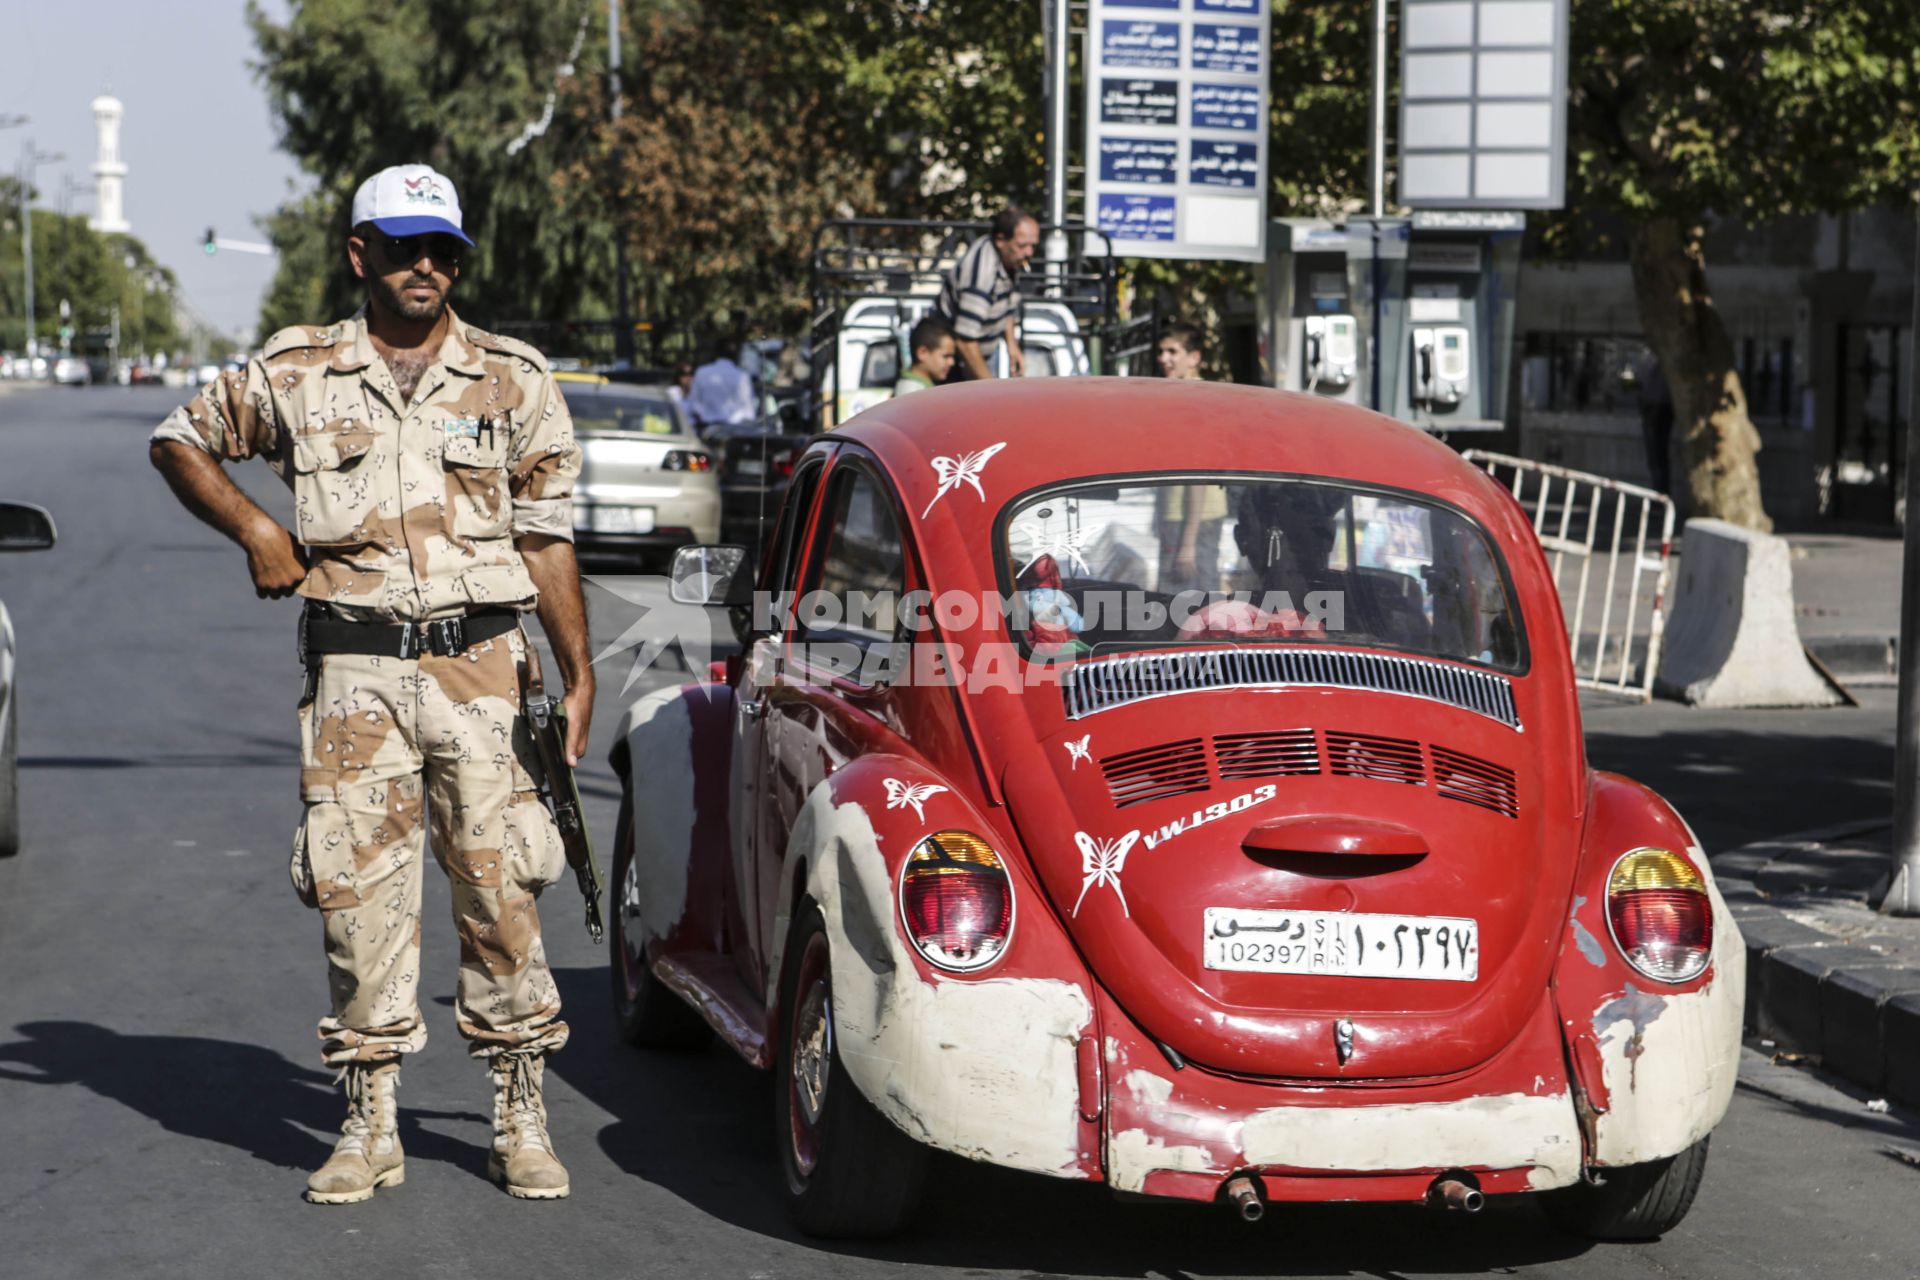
{"x":1149,"y":1088}
{"x":1496,"y":1131}
{"x":1132,"y":1154}
{"x":1670,"y":1077}
{"x":659,"y":735}
{"x":988,"y":1069}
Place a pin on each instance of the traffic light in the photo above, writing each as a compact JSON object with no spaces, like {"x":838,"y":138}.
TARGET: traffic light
{"x":210,"y":245}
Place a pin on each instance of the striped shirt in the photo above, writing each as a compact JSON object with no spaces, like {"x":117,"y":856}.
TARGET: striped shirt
{"x":977,"y":295}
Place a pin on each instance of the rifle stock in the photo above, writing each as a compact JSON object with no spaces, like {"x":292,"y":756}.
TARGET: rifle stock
{"x":547,"y":722}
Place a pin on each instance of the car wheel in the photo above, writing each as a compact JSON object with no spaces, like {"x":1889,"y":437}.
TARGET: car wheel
{"x":849,"y":1171}
{"x":10,"y":788}
{"x":647,"y":1012}
{"x":1637,"y":1201}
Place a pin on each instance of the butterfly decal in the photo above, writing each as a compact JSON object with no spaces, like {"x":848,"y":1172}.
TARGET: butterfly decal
{"x":900,"y":795}
{"x":1101,"y":862}
{"x":965,"y":469}
{"x":1081,"y":750}
{"x":1063,"y":545}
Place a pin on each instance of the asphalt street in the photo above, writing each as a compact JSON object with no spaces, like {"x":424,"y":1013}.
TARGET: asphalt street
{"x":161,"y":1096}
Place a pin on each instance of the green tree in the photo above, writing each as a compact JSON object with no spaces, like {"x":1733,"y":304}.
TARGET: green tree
{"x":96,"y":275}
{"x":361,"y":84}
{"x":1682,"y":110}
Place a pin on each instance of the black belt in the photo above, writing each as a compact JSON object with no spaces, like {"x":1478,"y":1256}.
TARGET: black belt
{"x":445,"y":637}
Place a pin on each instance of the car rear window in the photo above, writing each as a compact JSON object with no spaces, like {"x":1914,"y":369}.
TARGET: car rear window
{"x":635,"y":412}
{"x":1236,"y":561}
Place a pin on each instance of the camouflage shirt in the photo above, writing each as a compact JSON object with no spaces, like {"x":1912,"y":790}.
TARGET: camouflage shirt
{"x":408,"y":509}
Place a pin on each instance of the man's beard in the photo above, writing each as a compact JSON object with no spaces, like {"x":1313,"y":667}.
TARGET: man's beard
{"x":405,"y":307}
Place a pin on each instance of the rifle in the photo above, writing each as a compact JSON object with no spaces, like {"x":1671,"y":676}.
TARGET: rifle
{"x":547,"y":718}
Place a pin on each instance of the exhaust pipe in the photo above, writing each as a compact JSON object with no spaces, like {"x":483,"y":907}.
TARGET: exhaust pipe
{"x":1244,"y":1195}
{"x":1454,"y":1191}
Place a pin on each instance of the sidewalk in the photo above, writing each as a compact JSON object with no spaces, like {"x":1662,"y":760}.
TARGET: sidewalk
{"x":1827,"y":975}
{"x":1846,"y":593}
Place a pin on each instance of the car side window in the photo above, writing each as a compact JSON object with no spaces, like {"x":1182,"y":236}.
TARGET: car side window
{"x":858,"y":570}
{"x":788,"y":538}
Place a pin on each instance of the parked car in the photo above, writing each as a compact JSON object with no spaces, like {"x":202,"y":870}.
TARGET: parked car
{"x":72,"y":371}
{"x":22,"y":528}
{"x":1248,"y":853}
{"x":647,"y":484}
{"x":756,"y":463}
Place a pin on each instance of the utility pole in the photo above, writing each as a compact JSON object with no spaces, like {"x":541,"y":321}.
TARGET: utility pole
{"x":29,"y":161}
{"x":622,"y":314}
{"x":1903,"y":889}
{"x":1056,"y":19}
{"x":1377,"y":167}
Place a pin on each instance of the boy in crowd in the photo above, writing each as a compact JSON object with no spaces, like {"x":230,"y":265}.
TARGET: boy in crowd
{"x":932,"y":345}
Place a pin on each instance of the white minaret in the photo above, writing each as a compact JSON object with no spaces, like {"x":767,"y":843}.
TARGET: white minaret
{"x":108,"y":171}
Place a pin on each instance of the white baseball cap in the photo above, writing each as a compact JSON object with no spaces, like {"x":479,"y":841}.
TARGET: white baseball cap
{"x":409,"y":200}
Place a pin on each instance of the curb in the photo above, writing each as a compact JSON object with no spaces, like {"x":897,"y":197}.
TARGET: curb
{"x":1815,"y":994}
{"x":1863,"y":660}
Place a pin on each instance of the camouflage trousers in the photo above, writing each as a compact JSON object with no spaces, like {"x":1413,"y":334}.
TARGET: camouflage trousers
{"x":380,"y":734}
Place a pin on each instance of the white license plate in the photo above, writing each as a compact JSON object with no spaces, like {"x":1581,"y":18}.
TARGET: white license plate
{"x":750,"y":467}
{"x":620,"y":520}
{"x":1342,"y":944}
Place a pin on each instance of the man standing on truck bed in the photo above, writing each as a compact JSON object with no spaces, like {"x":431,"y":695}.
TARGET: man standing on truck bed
{"x":432,"y":467}
{"x":978,"y":299}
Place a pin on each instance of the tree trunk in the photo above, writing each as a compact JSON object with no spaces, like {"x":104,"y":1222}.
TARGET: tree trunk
{"x":1718,"y":442}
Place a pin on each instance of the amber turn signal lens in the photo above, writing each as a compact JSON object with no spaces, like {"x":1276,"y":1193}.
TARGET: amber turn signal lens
{"x":1661,"y":918}
{"x":956,"y":901}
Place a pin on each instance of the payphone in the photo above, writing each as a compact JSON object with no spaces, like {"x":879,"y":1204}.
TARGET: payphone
{"x":1313,"y":333}
{"x":1410,"y":316}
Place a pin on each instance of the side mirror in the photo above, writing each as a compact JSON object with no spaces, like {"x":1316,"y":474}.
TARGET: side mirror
{"x":24,"y":527}
{"x":711,"y":575}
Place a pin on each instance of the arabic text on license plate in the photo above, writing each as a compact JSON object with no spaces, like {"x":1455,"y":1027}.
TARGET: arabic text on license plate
{"x":1342,"y":944}
{"x":751,"y":467}
{"x":621,"y":519}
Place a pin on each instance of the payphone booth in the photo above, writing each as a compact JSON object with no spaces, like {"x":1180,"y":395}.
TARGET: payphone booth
{"x":1410,"y":316}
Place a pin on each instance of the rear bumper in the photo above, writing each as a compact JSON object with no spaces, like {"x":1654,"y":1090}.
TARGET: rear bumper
{"x":1182,"y":1133}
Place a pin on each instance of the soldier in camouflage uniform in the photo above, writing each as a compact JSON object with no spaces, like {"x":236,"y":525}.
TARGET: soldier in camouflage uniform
{"x":432,"y":466}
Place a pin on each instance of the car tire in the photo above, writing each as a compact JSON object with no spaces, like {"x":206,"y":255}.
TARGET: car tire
{"x":647,"y":1012}
{"x":10,"y":787}
{"x":1637,"y":1201}
{"x":848,"y":1171}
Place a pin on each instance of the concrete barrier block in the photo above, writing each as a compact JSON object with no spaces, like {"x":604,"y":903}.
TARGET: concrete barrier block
{"x":1732,"y":640}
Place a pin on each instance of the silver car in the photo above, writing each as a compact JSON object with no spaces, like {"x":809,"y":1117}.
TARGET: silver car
{"x":22,"y":528}
{"x":647,"y":484}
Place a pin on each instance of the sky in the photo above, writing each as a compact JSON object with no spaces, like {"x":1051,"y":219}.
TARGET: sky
{"x":197,"y":137}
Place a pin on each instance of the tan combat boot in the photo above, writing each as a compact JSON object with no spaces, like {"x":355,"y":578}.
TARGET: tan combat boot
{"x":522,"y":1159}
{"x":368,"y":1154}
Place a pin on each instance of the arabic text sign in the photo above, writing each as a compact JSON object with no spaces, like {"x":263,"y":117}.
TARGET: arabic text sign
{"x":1176,"y":136}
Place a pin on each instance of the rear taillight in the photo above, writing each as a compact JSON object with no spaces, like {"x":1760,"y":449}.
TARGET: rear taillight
{"x":956,"y":901}
{"x":686,"y":460}
{"x":1661,"y":917}
{"x":783,"y":462}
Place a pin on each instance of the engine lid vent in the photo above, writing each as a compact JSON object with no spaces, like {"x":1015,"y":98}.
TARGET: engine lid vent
{"x":1154,"y":773}
{"x":1359,"y":755}
{"x":1265,"y":755}
{"x":1458,"y":776}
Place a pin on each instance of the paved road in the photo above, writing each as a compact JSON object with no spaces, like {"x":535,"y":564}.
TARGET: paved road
{"x":161,"y":1099}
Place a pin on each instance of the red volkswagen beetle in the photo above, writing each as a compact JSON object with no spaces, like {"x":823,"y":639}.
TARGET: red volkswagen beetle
{"x":1175,"y":786}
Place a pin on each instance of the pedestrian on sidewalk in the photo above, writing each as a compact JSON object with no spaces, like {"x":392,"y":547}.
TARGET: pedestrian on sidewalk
{"x":432,"y":466}
{"x":932,"y":345}
{"x":1190,"y":516}
{"x":978,"y":298}
{"x":722,"y":391}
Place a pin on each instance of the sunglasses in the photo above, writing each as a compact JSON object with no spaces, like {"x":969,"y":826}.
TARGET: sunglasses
{"x":443,"y":249}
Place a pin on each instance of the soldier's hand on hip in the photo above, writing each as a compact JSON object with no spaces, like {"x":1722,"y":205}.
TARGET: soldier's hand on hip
{"x":579,"y":704}
{"x":277,"y":562}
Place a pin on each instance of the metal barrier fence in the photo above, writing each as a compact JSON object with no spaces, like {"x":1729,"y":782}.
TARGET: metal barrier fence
{"x":1583,"y":517}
